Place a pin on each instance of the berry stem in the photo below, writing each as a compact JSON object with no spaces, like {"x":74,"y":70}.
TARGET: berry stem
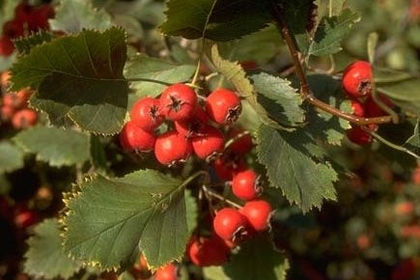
{"x":305,"y":91}
{"x":210,"y":193}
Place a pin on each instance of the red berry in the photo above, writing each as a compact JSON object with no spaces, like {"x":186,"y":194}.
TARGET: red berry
{"x":230,"y":224}
{"x":168,"y":272}
{"x":357,"y":79}
{"x":208,"y":251}
{"x":172,"y":147}
{"x":223,"y":106}
{"x":4,"y":79}
{"x":133,"y":137}
{"x":38,"y":19}
{"x":6,"y":46}
{"x":226,"y":168}
{"x":243,"y":144}
{"x":258,"y":213}
{"x":13,"y":29}
{"x":6,"y":113}
{"x":25,"y":219}
{"x":373,"y":109}
{"x":178,"y":102}
{"x":22,"y":12}
{"x":18,"y":99}
{"x":245,"y":185}
{"x":193,"y":127}
{"x":24,"y":118}
{"x":358,"y":108}
{"x":146,"y":114}
{"x":209,"y":144}
{"x":357,"y":135}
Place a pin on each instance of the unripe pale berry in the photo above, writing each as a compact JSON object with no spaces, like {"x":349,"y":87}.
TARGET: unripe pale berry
{"x":257,"y":213}
{"x":24,"y":118}
{"x":245,"y":185}
{"x":146,"y":114}
{"x":357,"y":79}
{"x":209,"y":144}
{"x":168,"y":272}
{"x":178,"y":102}
{"x":133,"y":137}
{"x":172,"y":147}
{"x":230,"y":224}
{"x":223,"y":106}
{"x":208,"y":251}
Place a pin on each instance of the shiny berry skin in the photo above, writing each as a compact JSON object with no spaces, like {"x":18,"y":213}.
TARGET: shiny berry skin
{"x":243,"y":144}
{"x":178,"y":102}
{"x":245,"y":185}
{"x":373,"y":110}
{"x":209,"y":144}
{"x":25,"y":219}
{"x":208,"y":251}
{"x":357,"y":135}
{"x":230,"y":224}
{"x":6,"y":46}
{"x":258,"y":213}
{"x":358,"y":108}
{"x":6,"y":113}
{"x":357,"y":79}
{"x":223,"y":106}
{"x":133,"y":137}
{"x":193,"y":127}
{"x":146,"y":114}
{"x":226,"y":168}
{"x":168,"y":272}
{"x":172,"y":147}
{"x":24,"y":118}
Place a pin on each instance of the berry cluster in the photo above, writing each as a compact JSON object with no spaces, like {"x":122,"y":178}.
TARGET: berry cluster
{"x":13,"y":108}
{"x":27,"y":19}
{"x":357,"y":82}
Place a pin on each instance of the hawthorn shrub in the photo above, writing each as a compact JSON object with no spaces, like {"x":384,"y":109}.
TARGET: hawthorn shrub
{"x":210,"y":139}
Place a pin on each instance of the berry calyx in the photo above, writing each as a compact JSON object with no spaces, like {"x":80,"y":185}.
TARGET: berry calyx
{"x":357,"y":79}
{"x":357,"y":135}
{"x":168,"y":272}
{"x":372,"y":108}
{"x":133,"y":137}
{"x":229,"y":224}
{"x":172,"y":147}
{"x":258,"y":213}
{"x":245,"y":185}
{"x":6,"y":46}
{"x":358,"y":108}
{"x":209,"y":144}
{"x":227,"y":167}
{"x":146,"y":114}
{"x":223,"y":106}
{"x":208,"y":251}
{"x":24,"y":118}
{"x":242,"y":143}
{"x":178,"y":102}
{"x":195,"y":126}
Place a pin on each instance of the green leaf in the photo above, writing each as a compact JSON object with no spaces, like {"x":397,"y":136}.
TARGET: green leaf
{"x":11,"y":157}
{"x":73,"y":16}
{"x":45,"y":257}
{"x":78,"y":78}
{"x":109,"y":219}
{"x":7,"y":11}
{"x":257,"y":259}
{"x":325,"y":7}
{"x":25,"y":44}
{"x":279,"y":99}
{"x":221,"y":20}
{"x":98,"y":154}
{"x":56,"y":146}
{"x":372,"y":43}
{"x":214,"y":273}
{"x":288,"y":158}
{"x":143,"y":66}
{"x":413,"y":143}
{"x":331,"y":32}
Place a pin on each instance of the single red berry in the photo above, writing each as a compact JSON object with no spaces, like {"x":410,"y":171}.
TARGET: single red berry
{"x":133,"y":137}
{"x":246,"y":185}
{"x":168,"y":272}
{"x":258,"y":213}
{"x":209,"y":144}
{"x":18,"y":99}
{"x":372,"y":108}
{"x":146,"y":114}
{"x":195,"y":126}
{"x":358,"y":108}
{"x":357,"y":79}
{"x":208,"y":251}
{"x":242,"y":142}
{"x":6,"y":113}
{"x":230,"y":224}
{"x":24,"y":118}
{"x":172,"y":147}
{"x":6,"y":46}
{"x":357,"y":135}
{"x":38,"y":19}
{"x":25,"y":219}
{"x":13,"y":29}
{"x":178,"y":102}
{"x":223,"y":106}
{"x":227,"y":167}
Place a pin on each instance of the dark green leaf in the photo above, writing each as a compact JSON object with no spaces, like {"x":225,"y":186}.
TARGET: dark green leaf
{"x":214,"y":273}
{"x":413,"y":143}
{"x":11,"y":157}
{"x":79,"y":78}
{"x":25,"y":44}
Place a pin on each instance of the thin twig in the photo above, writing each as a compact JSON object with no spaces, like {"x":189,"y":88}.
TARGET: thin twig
{"x":391,"y":145}
{"x":220,"y":197}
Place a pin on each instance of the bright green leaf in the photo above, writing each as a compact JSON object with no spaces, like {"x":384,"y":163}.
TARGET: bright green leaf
{"x":214,"y":273}
{"x":11,"y":157}
{"x":78,"y":78}
{"x":45,"y":257}
{"x":109,"y":219}
{"x":54,"y":145}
